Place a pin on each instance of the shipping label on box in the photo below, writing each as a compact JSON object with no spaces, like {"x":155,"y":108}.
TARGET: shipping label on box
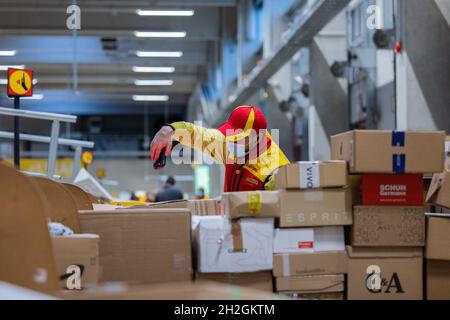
{"x":321,"y":207}
{"x":311,"y":175}
{"x":262,"y":204}
{"x":393,"y":190}
{"x":309,"y":240}
{"x":385,"y":274}
{"x":215,"y":245}
{"x":388,"y":226}
{"x":311,"y":284}
{"x":372,"y":151}
{"x":300,"y":264}
{"x":77,"y":260}
{"x":438,"y":237}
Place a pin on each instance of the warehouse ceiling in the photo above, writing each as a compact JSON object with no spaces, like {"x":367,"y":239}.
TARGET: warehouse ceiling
{"x":92,"y":72}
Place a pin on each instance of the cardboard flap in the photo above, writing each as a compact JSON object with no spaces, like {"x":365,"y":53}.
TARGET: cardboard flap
{"x":81,"y":198}
{"x":436,"y":184}
{"x":61,"y":205}
{"x":392,"y":252}
{"x":25,"y":247}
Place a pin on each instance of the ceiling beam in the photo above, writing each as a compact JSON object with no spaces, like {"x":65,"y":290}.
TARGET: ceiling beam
{"x":316,"y":16}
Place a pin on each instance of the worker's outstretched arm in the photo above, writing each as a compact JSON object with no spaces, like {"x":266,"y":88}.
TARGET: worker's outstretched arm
{"x":209,"y":141}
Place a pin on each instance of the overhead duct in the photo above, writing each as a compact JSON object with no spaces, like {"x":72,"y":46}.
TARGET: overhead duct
{"x":316,"y":15}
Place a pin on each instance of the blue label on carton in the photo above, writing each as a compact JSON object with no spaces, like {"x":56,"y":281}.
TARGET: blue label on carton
{"x":398,"y":163}
{"x":398,"y":138}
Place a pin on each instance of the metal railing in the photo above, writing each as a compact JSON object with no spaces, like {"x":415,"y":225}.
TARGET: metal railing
{"x":53,"y":140}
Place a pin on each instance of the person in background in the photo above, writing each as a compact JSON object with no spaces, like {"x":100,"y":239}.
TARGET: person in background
{"x":170,"y":192}
{"x":200,"y":195}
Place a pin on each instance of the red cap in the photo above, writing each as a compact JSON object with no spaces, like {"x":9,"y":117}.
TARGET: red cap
{"x":242,"y":120}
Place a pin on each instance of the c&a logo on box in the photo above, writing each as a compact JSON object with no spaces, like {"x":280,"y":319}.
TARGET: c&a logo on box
{"x":375,"y":283}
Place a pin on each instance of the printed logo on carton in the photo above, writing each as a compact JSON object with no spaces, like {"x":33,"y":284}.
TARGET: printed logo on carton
{"x":376,"y":283}
{"x":393,"y":190}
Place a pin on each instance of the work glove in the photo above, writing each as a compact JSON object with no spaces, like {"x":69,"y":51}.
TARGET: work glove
{"x":163,"y":139}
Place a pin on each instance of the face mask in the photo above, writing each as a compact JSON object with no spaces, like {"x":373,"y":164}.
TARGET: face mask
{"x":236,"y":149}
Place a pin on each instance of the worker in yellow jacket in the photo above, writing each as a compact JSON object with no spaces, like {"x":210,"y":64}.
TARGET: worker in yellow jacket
{"x":242,"y":144}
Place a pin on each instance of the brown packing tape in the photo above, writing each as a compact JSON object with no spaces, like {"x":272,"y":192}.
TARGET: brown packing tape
{"x":61,"y":205}
{"x":26,"y":254}
{"x":236,"y":232}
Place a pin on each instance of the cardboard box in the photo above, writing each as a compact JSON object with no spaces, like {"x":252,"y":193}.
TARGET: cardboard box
{"x":300,"y":264}
{"x":26,"y":253}
{"x":203,"y":207}
{"x":392,"y":190}
{"x":338,"y":296}
{"x":77,"y":250}
{"x":388,"y":226}
{"x":438,"y":280}
{"x":311,"y":284}
{"x":438,"y":237}
{"x":312,"y":208}
{"x":370,"y":151}
{"x":309,"y":240}
{"x":385,"y":274}
{"x":215,"y":242}
{"x":142,"y":245}
{"x":255,"y":280}
{"x":264,"y":204}
{"x":312,"y":175}
{"x":439,"y":191}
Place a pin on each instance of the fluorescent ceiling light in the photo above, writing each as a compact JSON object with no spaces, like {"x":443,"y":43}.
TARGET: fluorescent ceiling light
{"x":34,"y":97}
{"x":151,"y":98}
{"x":8,"y":53}
{"x":160,"y":34}
{"x":5,"y":81}
{"x":165,"y":13}
{"x":159,"y":54}
{"x":154,"y":69}
{"x":153,"y":82}
{"x":5,"y":68}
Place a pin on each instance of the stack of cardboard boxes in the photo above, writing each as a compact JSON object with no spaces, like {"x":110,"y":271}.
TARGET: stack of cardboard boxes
{"x":310,"y":260}
{"x":388,"y":232}
{"x":236,"y":248}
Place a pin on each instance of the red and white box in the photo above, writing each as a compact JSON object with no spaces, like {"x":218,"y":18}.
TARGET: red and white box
{"x":392,"y":190}
{"x":309,"y":240}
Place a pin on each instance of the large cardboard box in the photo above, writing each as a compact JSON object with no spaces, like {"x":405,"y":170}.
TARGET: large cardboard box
{"x":309,"y":240}
{"x":251,"y":204}
{"x":301,"y":264}
{"x":142,"y":245}
{"x":392,"y":190}
{"x":438,"y":279}
{"x":312,"y":208}
{"x":385,"y":274}
{"x":439,"y":192}
{"x":255,"y":280}
{"x":388,"y":226}
{"x":79,"y":250}
{"x":311,"y":175}
{"x":438,"y":237}
{"x":311,"y":284}
{"x":216,"y":241}
{"x":371,"y":151}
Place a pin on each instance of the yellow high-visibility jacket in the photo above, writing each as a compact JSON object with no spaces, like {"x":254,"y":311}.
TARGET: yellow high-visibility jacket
{"x":252,"y":175}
